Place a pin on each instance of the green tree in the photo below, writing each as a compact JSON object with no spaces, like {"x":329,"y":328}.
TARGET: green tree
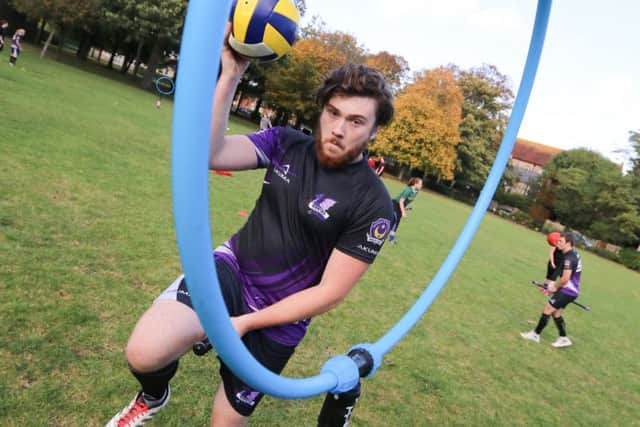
{"x":153,"y":22}
{"x":61,"y":15}
{"x":485,"y":112}
{"x":590,"y":194}
{"x":634,"y":139}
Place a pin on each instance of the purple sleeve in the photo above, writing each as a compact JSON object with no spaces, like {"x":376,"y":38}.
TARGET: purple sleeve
{"x":266,"y":143}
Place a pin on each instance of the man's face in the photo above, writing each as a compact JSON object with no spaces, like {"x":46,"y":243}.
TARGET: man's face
{"x":563,"y":245}
{"x":346,"y":125}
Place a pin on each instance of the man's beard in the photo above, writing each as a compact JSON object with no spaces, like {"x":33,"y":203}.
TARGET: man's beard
{"x":336,"y":161}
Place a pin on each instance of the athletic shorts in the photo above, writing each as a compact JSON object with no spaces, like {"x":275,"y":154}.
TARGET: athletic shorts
{"x":397,"y":215}
{"x":561,"y":300}
{"x":272,"y":355}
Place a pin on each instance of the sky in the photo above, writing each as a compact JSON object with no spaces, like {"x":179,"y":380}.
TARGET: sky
{"x":587,"y":89}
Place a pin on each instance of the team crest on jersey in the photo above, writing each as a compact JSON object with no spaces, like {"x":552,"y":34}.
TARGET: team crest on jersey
{"x":320,"y":206}
{"x":378,"y":231}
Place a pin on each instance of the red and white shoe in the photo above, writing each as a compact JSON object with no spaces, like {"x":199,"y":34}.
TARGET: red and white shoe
{"x":138,"y":411}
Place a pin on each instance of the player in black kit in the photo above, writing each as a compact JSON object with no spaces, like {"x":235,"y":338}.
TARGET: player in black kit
{"x":319,"y":222}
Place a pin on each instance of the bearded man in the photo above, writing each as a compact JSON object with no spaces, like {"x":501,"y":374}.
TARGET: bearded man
{"x":319,"y":222}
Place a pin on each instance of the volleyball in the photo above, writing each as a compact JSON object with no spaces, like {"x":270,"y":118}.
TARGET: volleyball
{"x":263,"y":29}
{"x":552,"y":238}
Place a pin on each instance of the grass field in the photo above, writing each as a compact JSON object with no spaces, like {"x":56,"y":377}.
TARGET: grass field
{"x":87,"y":242}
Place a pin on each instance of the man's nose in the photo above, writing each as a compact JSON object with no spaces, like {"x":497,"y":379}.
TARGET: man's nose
{"x":338,"y":128}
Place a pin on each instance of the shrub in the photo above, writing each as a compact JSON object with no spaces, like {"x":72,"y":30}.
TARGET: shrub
{"x":630,"y":258}
{"x":513,"y":199}
{"x":604,"y":254}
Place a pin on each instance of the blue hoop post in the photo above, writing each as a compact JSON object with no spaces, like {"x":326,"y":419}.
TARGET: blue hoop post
{"x":201,"y":46}
{"x":395,"y":334}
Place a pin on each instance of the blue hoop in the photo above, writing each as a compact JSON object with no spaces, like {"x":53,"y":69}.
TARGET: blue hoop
{"x":171,"y":84}
{"x":201,"y":46}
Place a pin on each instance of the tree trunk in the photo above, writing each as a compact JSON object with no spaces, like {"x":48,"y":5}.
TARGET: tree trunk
{"x":403,"y":170}
{"x":61,"y":43}
{"x":138,"y":58}
{"x":46,"y":45}
{"x":238,"y":99}
{"x":85,"y":46}
{"x":126,"y":64}
{"x":114,"y":52}
{"x":152,"y":65}
{"x":43,"y":22}
{"x":175,"y":72}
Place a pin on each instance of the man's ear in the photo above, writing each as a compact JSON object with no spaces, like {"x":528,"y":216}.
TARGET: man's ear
{"x":373,"y":134}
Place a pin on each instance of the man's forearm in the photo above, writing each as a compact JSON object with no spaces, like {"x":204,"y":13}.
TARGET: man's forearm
{"x":225,"y":90}
{"x":299,"y":306}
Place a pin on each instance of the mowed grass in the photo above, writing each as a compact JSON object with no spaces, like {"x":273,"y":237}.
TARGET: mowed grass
{"x":87,"y":242}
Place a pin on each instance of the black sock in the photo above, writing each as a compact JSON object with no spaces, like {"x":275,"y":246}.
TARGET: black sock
{"x":562,"y":328}
{"x":542,"y":323}
{"x":155,"y":384}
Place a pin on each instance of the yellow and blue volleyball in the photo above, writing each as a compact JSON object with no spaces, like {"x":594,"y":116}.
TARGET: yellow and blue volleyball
{"x":263,"y":29}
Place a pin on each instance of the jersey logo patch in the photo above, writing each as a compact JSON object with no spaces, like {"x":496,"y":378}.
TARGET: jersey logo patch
{"x":320,"y":206}
{"x":282,"y":170}
{"x":378,"y":231}
{"x":248,"y":396}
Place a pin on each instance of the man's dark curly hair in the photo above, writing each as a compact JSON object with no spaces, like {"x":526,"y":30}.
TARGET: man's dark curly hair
{"x":359,"y":80}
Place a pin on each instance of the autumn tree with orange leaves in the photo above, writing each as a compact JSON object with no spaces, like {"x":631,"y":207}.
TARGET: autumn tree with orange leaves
{"x":291,"y":83}
{"x":394,"y":67}
{"x":425,"y":130}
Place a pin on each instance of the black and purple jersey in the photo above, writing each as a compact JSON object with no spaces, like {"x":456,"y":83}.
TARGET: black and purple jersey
{"x":573,"y":262}
{"x":15,"y":41}
{"x":304,"y":211}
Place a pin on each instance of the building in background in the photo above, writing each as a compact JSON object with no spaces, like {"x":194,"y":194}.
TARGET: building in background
{"x":528,"y":159}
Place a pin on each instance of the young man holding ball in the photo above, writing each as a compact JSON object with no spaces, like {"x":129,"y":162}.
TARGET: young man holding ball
{"x":321,"y":219}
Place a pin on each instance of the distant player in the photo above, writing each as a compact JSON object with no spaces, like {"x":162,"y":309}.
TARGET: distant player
{"x":16,"y":46}
{"x":380,"y":166}
{"x":3,"y":29}
{"x":401,"y":205}
{"x":265,"y":122}
{"x":564,"y":292}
